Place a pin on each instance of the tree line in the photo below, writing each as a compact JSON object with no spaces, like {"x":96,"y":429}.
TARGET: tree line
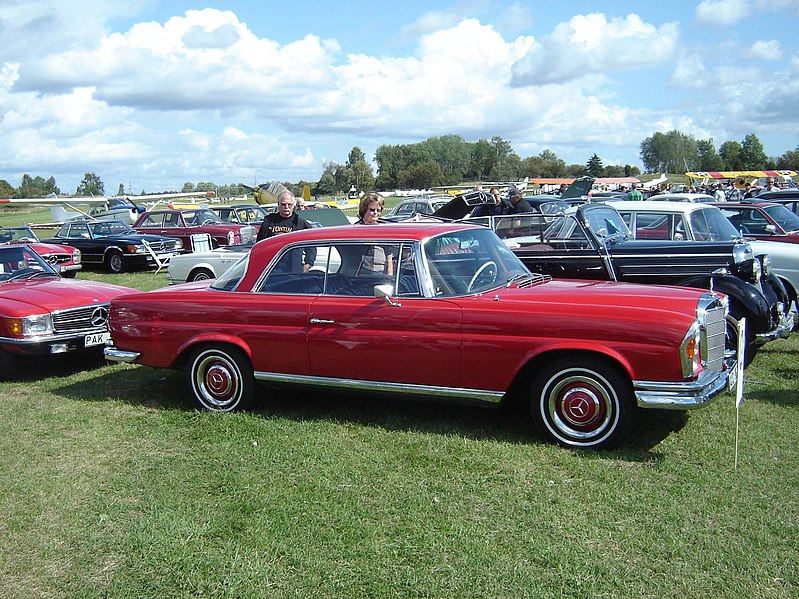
{"x":450,"y":160}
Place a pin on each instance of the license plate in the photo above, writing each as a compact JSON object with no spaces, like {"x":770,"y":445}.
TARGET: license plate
{"x":96,"y":339}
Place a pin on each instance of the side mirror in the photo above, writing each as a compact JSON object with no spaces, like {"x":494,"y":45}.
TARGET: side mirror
{"x":386,"y":291}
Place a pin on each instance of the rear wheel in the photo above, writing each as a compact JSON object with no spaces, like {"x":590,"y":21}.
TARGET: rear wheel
{"x":220,"y":378}
{"x":114,"y":262}
{"x":582,"y":402}
{"x":201,"y":274}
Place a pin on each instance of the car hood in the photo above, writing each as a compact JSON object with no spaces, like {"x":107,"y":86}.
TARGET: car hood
{"x":136,"y":238}
{"x":577,"y":295}
{"x":39,"y":296}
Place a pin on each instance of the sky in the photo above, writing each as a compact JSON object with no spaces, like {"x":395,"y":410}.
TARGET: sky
{"x":153,"y":94}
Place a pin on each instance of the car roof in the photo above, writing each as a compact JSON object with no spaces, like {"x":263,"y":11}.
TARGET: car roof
{"x":654,"y":206}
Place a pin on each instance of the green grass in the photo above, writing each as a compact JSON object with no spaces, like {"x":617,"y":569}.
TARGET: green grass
{"x":113,"y":486}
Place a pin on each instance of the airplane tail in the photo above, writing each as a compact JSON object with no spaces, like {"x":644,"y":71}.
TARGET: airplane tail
{"x":60,"y":214}
{"x":579,"y":187}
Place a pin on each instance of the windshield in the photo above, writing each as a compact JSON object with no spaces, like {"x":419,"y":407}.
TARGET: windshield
{"x":469,"y":261}
{"x":201,"y":217}
{"x":606,"y":223}
{"x":710,"y":224}
{"x":787,"y":220}
{"x":17,"y":234}
{"x":21,"y":262}
{"x":231,"y":277}
{"x":106,"y":228}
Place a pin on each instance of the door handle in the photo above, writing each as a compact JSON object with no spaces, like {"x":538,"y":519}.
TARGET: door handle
{"x":322,"y":321}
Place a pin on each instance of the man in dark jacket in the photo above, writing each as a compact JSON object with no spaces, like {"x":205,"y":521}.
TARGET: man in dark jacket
{"x":286,"y":220}
{"x":517,"y":201}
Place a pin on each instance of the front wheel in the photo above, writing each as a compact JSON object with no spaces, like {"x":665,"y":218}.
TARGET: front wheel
{"x":582,"y":403}
{"x":221,"y":378}
{"x":114,"y":262}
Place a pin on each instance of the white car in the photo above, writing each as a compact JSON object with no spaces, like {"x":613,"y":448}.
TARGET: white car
{"x":202,"y":266}
{"x":697,"y":221}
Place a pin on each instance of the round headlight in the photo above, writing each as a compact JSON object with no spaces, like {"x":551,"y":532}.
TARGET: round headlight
{"x":742,"y":252}
{"x":765,"y":261}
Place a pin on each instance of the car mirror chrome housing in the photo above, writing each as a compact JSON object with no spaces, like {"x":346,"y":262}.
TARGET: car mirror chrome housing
{"x":386,"y":291}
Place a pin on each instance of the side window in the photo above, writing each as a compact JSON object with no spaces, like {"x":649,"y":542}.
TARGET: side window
{"x":654,"y":225}
{"x":361,"y":267}
{"x":152,"y":220}
{"x":300,"y":270}
{"x":407,"y":281}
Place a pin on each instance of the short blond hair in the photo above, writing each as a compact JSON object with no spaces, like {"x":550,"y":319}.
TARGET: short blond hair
{"x":368,"y":198}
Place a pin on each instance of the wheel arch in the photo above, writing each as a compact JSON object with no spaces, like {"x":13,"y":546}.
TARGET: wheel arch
{"x":519,"y":387}
{"x":208,"y":340}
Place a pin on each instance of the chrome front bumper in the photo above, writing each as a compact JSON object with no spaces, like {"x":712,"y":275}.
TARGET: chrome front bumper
{"x":684,"y":395}
{"x":113,"y":354}
{"x":781,"y":331}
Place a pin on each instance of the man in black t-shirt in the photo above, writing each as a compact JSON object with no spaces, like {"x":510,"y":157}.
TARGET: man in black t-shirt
{"x":286,"y":220}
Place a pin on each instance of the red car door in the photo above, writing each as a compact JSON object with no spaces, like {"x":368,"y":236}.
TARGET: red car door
{"x":364,"y":338}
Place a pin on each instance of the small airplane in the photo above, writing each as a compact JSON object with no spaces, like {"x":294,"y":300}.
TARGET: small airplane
{"x":122,"y":208}
{"x":479,"y":185}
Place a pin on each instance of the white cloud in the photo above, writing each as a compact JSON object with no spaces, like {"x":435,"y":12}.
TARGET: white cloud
{"x":593,"y":44}
{"x":729,"y":12}
{"x":764,"y":50}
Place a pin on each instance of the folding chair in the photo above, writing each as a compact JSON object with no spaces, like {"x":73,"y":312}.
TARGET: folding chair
{"x":201,"y":242}
{"x":160,"y":262}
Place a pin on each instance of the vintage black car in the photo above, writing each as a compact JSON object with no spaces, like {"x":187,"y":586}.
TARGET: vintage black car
{"x":593,"y":242}
{"x":115,"y":245}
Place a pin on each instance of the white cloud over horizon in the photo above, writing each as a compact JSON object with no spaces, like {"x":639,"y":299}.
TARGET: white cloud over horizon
{"x":199,"y":95}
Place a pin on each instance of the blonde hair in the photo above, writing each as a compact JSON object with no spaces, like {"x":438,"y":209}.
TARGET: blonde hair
{"x":368,"y":198}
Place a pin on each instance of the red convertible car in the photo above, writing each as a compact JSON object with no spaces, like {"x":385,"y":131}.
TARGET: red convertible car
{"x":436,"y":312}
{"x":43,"y":314}
{"x":63,"y":258}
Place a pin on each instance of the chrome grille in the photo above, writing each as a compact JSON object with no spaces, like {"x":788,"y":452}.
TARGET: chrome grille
{"x":164,"y":246}
{"x":54,"y":259}
{"x":80,"y":319}
{"x":713,"y":331}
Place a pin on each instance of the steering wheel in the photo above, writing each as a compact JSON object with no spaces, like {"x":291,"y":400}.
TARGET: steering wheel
{"x":487,"y":271}
{"x":27,"y":240}
{"x":207,"y":221}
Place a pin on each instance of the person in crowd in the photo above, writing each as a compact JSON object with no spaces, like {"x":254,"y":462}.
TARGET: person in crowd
{"x":736,"y":193}
{"x":499,"y":206}
{"x":635,"y":194}
{"x":378,"y":259}
{"x":718,"y":193}
{"x":370,"y":208}
{"x":518,"y":203}
{"x":286,"y":220}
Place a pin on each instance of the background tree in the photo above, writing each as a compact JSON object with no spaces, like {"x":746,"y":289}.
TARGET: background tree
{"x":357,"y":171}
{"x":731,"y":153}
{"x":753,"y":156}
{"x":594,"y":166}
{"x":327,"y":182}
{"x":36,"y":187}
{"x":188,"y":187}
{"x":789,"y":160}
{"x":6,"y":189}
{"x":90,"y":185}
{"x":420,"y":176}
{"x":672,"y":152}
{"x":709,"y":159}
{"x":121,"y":190}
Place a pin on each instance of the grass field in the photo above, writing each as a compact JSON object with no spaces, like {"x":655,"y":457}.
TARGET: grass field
{"x":113,"y":486}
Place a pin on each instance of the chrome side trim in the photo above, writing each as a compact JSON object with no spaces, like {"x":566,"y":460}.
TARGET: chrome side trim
{"x":112,"y":354}
{"x":482,"y":395}
{"x":686,"y":395}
